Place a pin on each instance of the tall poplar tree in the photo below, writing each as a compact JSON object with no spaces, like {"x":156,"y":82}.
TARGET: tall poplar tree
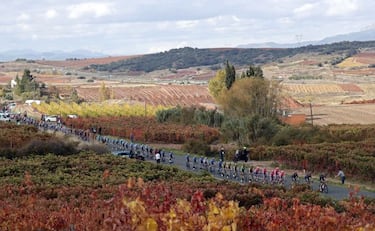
{"x":230,"y":75}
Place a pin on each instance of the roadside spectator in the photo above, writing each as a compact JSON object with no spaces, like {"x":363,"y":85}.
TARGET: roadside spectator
{"x":132,"y":137}
{"x":157,"y":157}
{"x":341,"y":175}
{"x":222,"y":153}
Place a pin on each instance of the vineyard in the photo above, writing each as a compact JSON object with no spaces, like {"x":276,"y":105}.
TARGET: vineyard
{"x":146,"y":129}
{"x":366,"y":57}
{"x":166,"y":95}
{"x":341,"y":114}
{"x":88,"y":191}
{"x":83,"y":190}
{"x":351,"y":62}
{"x":80,"y":63}
{"x":316,"y":89}
{"x":357,"y":158}
{"x":104,"y":192}
{"x":97,"y":109}
{"x":12,"y":136}
{"x":359,"y":60}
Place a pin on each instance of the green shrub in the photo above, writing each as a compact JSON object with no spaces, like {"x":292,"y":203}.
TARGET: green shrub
{"x":248,"y":200}
{"x":8,"y":153}
{"x":199,"y":147}
{"x":57,"y":146}
{"x":96,"y":148}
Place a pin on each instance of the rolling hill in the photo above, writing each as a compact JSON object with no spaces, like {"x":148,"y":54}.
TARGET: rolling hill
{"x":193,"y":57}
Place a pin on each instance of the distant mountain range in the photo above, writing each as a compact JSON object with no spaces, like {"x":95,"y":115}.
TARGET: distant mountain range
{"x":365,"y":35}
{"x":11,"y":55}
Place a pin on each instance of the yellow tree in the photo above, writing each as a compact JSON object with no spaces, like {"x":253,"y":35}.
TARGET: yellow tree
{"x":251,"y":96}
{"x":250,"y":107}
{"x":104,"y":92}
{"x":216,"y":85}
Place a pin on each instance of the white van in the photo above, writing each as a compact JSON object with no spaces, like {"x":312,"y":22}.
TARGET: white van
{"x":31,"y":101}
{"x":50,"y":118}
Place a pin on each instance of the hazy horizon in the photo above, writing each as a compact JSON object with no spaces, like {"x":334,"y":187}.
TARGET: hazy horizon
{"x":117,"y":27}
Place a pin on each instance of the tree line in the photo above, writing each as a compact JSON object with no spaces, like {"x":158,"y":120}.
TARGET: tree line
{"x":193,"y":57}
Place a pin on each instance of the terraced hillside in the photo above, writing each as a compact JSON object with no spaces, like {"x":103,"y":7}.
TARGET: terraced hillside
{"x":166,"y":95}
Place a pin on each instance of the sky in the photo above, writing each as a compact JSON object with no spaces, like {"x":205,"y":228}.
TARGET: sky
{"x":127,"y":27}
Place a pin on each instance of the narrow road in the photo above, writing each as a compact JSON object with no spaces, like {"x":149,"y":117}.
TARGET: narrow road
{"x":335,"y":191}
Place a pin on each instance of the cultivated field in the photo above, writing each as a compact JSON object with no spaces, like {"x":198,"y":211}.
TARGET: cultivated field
{"x":166,"y":95}
{"x":305,"y":79}
{"x":340,"y":114}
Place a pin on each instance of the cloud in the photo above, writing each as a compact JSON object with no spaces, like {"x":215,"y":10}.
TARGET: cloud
{"x":51,"y":13}
{"x":285,"y":21}
{"x":97,"y":9}
{"x":305,"y":10}
{"x":23,"y":17}
{"x":341,"y":7}
{"x":186,"y":24}
{"x":24,"y":27}
{"x":156,"y":25}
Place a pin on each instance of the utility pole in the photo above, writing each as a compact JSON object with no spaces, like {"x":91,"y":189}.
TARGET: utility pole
{"x":299,"y":39}
{"x":311,"y":115}
{"x":145,"y":109}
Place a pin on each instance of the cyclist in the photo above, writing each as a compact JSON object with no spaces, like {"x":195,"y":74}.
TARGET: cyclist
{"x":205,"y":163}
{"x":201,"y":160}
{"x":187,"y":160}
{"x":235,"y":171}
{"x":282,"y":175}
{"x":162,"y":153}
{"x":228,"y":169}
{"x":225,"y":166}
{"x":308,"y":177}
{"x":322,"y":178}
{"x":220,"y":168}
{"x":265,"y":174}
{"x":195,"y":160}
{"x":170,"y":157}
{"x":242,"y":173}
{"x":251,"y":177}
{"x":295,"y":177}
{"x":257,"y":173}
{"x":323,"y":185}
{"x":273,"y":176}
{"x":212,"y":165}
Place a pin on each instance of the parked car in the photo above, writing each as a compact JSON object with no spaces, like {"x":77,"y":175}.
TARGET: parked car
{"x":31,"y":101}
{"x":129,"y":154}
{"x":122,"y":153}
{"x":11,"y":106}
{"x":4,"y":117}
{"x":72,"y":116}
{"x":50,"y":118}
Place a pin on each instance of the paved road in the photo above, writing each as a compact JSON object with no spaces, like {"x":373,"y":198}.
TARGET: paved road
{"x":335,"y":191}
